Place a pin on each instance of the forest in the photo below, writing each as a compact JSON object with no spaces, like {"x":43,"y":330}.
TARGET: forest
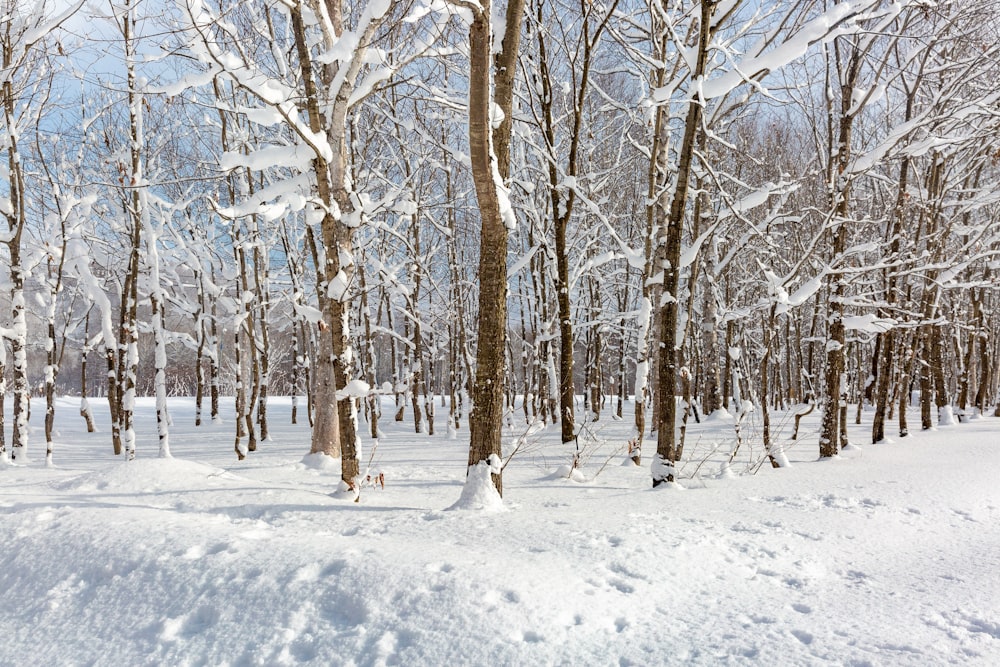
{"x":528,"y":212}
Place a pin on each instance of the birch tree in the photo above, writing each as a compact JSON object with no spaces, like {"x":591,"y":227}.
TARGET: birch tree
{"x":312,"y":92}
{"x":670,"y":239}
{"x":580,"y":34}
{"x":23,"y":28}
{"x":751,"y":45}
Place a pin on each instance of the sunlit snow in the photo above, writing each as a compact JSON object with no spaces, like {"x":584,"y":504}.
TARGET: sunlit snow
{"x":885,"y":556}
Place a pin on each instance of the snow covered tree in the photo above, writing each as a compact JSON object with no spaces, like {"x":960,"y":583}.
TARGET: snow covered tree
{"x":307,"y":65}
{"x":496,"y":221}
{"x":23,"y":29}
{"x":670,"y":239}
{"x":560,"y":113}
{"x":751,"y":47}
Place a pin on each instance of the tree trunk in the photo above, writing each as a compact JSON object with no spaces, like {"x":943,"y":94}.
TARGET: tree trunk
{"x":128,"y":340}
{"x":942,"y":400}
{"x":887,"y":347}
{"x":199,"y":364}
{"x":832,"y":431}
{"x":765,"y":361}
{"x":905,"y":382}
{"x":711,"y":392}
{"x":16,"y":221}
{"x":983,"y":342}
{"x":213,"y":362}
{"x":3,"y":399}
{"x":85,"y":410}
{"x":486,"y":419}
{"x":335,"y":429}
{"x":666,"y":443}
{"x":262,"y":343}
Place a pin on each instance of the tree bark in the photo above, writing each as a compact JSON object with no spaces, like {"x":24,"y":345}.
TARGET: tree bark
{"x":832,"y":431}
{"x":666,"y":442}
{"x":486,"y":419}
{"x":334,"y":430}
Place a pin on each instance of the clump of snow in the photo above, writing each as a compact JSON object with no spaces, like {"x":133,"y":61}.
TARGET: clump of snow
{"x":801,"y":295}
{"x":308,"y":313}
{"x":347,"y":492}
{"x":322,"y":462}
{"x":479,"y":493}
{"x":946,"y":416}
{"x":663,"y":470}
{"x":719,"y":415}
{"x":868,"y":323}
{"x":337,"y":287}
{"x":354,"y":389}
{"x":779,"y":455}
{"x":567,"y":471}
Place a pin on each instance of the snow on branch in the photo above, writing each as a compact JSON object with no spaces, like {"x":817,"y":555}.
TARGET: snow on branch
{"x":841,"y":19}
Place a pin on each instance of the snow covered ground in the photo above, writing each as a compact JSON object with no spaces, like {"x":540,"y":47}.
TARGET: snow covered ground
{"x":888,"y":555}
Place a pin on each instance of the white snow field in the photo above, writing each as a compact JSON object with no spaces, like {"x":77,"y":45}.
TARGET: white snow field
{"x":888,"y":555}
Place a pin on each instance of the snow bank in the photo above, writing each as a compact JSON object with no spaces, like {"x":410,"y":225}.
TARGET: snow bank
{"x":150,"y":476}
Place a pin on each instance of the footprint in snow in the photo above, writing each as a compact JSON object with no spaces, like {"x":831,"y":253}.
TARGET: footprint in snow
{"x":744,"y":528}
{"x":808,"y":536}
{"x":333,"y":569}
{"x":856,"y":577}
{"x":205,"y":617}
{"x":803,"y":636}
{"x":387,"y":646}
{"x":622,"y":586}
{"x":625,"y":571}
{"x":303,"y":649}
{"x":218,"y":548}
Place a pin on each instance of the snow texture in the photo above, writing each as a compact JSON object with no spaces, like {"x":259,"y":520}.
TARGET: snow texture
{"x":868,"y":323}
{"x":886,"y":555}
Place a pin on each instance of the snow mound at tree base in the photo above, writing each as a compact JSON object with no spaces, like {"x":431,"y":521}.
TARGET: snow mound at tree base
{"x":719,"y":415}
{"x":321,"y":462}
{"x":479,"y":493}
